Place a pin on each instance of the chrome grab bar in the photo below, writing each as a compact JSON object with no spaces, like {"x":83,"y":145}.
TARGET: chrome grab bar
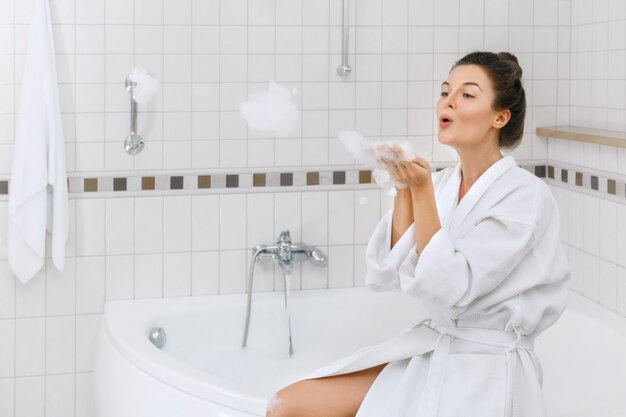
{"x":133,"y":143}
{"x":344,"y":69}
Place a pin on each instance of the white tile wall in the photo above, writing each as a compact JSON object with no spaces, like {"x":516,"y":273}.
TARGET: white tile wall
{"x":598,"y":48}
{"x":595,"y":236}
{"x":210,"y":56}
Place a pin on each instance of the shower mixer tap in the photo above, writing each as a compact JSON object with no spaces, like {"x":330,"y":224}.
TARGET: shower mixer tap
{"x":284,"y":253}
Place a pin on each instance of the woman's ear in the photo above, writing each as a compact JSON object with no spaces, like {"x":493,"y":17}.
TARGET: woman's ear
{"x":502,"y":119}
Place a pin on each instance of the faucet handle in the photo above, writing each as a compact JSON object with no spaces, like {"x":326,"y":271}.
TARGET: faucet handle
{"x":265,"y":254}
{"x":284,"y":237}
{"x":318,"y":258}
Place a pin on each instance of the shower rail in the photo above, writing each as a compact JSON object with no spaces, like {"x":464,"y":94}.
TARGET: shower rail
{"x":344,"y":69}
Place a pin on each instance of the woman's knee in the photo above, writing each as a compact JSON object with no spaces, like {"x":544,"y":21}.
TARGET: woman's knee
{"x":285,"y":403}
{"x":337,"y":396}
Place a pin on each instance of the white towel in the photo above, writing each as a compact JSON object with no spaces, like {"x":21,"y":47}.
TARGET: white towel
{"x":38,"y":187}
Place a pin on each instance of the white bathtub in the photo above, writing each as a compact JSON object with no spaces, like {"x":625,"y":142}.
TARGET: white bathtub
{"x":203,"y":371}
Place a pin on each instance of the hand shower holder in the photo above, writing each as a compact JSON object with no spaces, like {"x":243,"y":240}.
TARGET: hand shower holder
{"x":133,"y":143}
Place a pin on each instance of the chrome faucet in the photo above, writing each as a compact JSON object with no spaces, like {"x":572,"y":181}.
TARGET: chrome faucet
{"x":284,"y":253}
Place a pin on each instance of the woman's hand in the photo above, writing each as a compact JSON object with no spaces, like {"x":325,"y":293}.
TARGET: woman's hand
{"x":415,"y":173}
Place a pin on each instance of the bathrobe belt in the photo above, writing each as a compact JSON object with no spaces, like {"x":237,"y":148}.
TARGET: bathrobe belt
{"x":509,"y":341}
{"x":430,"y":336}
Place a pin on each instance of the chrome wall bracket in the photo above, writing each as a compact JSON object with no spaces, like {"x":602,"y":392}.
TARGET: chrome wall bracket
{"x":344,"y":69}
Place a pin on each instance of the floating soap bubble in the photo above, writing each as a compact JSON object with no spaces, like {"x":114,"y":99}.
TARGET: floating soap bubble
{"x":145,"y":87}
{"x":358,"y":147}
{"x":271,"y":111}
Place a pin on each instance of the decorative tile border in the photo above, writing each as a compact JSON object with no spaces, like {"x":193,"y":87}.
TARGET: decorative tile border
{"x":591,"y":181}
{"x":217,"y":181}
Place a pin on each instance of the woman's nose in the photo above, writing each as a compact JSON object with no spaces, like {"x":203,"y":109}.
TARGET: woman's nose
{"x":449,"y":102}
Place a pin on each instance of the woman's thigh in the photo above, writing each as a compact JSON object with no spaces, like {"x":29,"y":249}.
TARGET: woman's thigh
{"x":334,"y":396}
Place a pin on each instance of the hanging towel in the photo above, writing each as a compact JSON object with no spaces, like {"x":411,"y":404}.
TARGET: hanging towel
{"x":38,"y":186}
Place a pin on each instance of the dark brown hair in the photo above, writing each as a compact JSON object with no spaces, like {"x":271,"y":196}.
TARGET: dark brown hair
{"x":505,"y":73}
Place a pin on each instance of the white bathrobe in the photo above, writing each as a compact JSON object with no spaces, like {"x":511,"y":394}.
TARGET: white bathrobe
{"x":492,"y":278}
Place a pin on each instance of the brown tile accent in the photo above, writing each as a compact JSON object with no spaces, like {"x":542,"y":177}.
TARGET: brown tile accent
{"x":4,"y":187}
{"x":365,"y":177}
{"x":312,"y":178}
{"x":339,"y":177}
{"x":258,"y":180}
{"x":594,"y":182}
{"x":579,"y":178}
{"x":119,"y":184}
{"x":563,"y":175}
{"x":232,"y":181}
{"x":610,"y":187}
{"x":550,"y":171}
{"x":147,"y":183}
{"x":286,"y":179}
{"x":91,"y":184}
{"x":204,"y":181}
{"x":176,"y":183}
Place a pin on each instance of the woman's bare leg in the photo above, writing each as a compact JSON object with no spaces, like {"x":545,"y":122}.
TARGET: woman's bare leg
{"x":333,"y":396}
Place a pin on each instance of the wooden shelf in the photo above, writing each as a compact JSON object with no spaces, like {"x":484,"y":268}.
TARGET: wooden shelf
{"x":584,"y":134}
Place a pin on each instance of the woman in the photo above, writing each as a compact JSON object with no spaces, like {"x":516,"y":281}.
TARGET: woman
{"x":478,"y":244}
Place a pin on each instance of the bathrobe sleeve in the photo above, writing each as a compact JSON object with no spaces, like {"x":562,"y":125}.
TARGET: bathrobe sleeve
{"x":451,"y":275}
{"x":382,"y":261}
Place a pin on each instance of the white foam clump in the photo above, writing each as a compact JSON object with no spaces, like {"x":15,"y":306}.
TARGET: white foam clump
{"x":271,"y":111}
{"x":367,"y":153}
{"x":273,"y":402}
{"x":145,"y":87}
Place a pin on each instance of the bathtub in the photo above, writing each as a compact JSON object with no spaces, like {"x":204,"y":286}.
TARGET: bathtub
{"x":203,"y":371}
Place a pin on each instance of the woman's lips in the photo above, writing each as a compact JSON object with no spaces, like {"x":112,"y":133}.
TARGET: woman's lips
{"x":443,"y":123}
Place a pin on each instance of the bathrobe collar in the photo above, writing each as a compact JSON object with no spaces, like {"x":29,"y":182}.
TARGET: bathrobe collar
{"x":452,"y":213}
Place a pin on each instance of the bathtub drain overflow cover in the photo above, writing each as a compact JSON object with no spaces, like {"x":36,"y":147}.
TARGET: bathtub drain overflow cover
{"x":158,"y":337}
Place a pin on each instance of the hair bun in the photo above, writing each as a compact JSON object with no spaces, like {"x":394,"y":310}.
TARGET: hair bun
{"x":513,"y":62}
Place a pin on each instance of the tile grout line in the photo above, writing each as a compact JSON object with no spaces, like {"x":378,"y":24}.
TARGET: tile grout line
{"x":15,"y":281}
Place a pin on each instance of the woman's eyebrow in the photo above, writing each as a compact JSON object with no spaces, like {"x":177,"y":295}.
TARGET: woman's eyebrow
{"x":466,"y":83}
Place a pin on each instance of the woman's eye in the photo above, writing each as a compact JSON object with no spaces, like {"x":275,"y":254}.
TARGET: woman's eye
{"x":444,"y":94}
{"x":467,"y":95}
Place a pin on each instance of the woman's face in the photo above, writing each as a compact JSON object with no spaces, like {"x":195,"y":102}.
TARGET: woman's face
{"x":464,"y":113}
